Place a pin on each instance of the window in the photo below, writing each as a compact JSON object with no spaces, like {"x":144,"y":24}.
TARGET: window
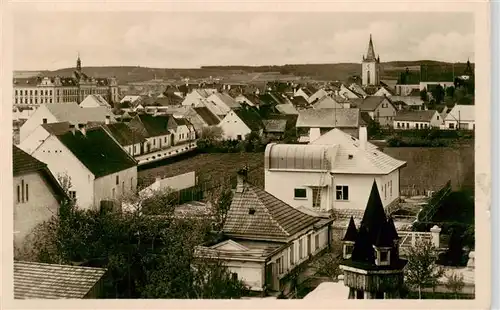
{"x":407,"y":125}
{"x":316,"y":197}
{"x":342,"y":192}
{"x":117,"y":180}
{"x":16,"y":100}
{"x":123,"y":187}
{"x":234,"y":276}
{"x":18,"y":194}
{"x":384,"y":256}
{"x":44,"y":121}
{"x":301,"y":248}
{"x":292,"y":254}
{"x":238,"y":137}
{"x":154,"y":141}
{"x":417,"y":125}
{"x":72,"y":195}
{"x":27,"y":195}
{"x":165,"y":140}
{"x":300,"y":193}
{"x":451,"y":126}
{"x":280,"y":265}
{"x":316,"y":242}
{"x":437,"y":117}
{"x":309,"y":245}
{"x":385,"y":191}
{"x":22,"y":190}
{"x":348,"y":247}
{"x":31,"y":93}
{"x":399,"y":125}
{"x":113,"y":192}
{"x":15,"y":92}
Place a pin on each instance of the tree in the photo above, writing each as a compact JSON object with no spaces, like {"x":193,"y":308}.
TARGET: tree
{"x":422,"y":270}
{"x":373,"y":129}
{"x":211,"y":133}
{"x":423,"y":95}
{"x":450,"y":91}
{"x":328,"y":264}
{"x":220,"y":199}
{"x":438,"y":93}
{"x":455,"y":283}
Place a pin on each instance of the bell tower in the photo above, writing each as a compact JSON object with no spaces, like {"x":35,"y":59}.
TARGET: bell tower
{"x":370,"y":66}
{"x":78,"y":64}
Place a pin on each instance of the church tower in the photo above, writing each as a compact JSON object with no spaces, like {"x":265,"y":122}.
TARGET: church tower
{"x":78,"y":64}
{"x":370,"y":67}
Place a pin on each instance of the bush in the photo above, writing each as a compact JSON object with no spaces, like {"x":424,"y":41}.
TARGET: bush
{"x":253,"y":143}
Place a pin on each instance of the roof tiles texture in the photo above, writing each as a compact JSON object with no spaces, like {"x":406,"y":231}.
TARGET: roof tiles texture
{"x":124,"y":134}
{"x":24,"y":163}
{"x":417,"y":116}
{"x":271,"y":220}
{"x":51,"y":281}
{"x":208,"y":117}
{"x":329,"y":118}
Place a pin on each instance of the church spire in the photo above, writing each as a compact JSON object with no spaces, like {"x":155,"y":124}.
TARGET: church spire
{"x":78,"y":63}
{"x":370,"y":55}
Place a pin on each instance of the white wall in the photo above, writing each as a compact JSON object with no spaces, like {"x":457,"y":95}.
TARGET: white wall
{"x":192,"y":99}
{"x":61,"y":161}
{"x":36,"y":120}
{"x":184,"y":134}
{"x":411,"y":125}
{"x":282,"y":185}
{"x":156,"y":143}
{"x":317,"y":95}
{"x":251,"y":273}
{"x":34,"y":139}
{"x":133,"y":149}
{"x":301,"y":93}
{"x":127,"y":184}
{"x":233,"y":126}
{"x":39,"y":207}
{"x":385,"y":115}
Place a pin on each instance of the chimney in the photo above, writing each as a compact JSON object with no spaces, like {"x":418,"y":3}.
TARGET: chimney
{"x":363,"y":137}
{"x":82,"y":128}
{"x":107,"y":121}
{"x":241,"y":178}
{"x":72,"y":128}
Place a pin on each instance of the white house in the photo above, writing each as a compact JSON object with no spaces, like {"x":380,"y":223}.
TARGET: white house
{"x":98,"y":167}
{"x":461,"y":117}
{"x":132,"y":141}
{"x":67,"y":112}
{"x":93,"y":101}
{"x":193,"y":98}
{"x":317,"y":95}
{"x":238,"y":123}
{"x":334,"y":172}
{"x":408,"y":119}
{"x":381,"y":109}
{"x":305,"y":92}
{"x":265,"y":239}
{"x":132,"y":99}
{"x":242,"y":99}
{"x":37,"y":194}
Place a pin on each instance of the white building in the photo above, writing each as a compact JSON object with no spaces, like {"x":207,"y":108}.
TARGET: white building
{"x":68,"y":112}
{"x":132,"y":99}
{"x":417,"y":119}
{"x":238,"y":123}
{"x":193,"y":98}
{"x":370,"y":66}
{"x":461,"y":117}
{"x":265,"y":239}
{"x":318,"y":95}
{"x":93,"y":101}
{"x":37,"y":194}
{"x":336,"y":171}
{"x":98,"y":167}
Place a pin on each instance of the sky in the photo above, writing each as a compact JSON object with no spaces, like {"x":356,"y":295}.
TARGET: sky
{"x":52,"y":40}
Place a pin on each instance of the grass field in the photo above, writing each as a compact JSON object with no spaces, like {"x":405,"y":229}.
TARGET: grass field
{"x":427,"y":168}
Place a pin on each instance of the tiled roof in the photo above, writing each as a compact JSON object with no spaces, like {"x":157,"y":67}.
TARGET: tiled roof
{"x":370,"y":103}
{"x":410,"y":115}
{"x":124,"y":134}
{"x":327,"y":102}
{"x":154,"y":125}
{"x":208,"y":117}
{"x":73,"y":113}
{"x":300,"y":102}
{"x":98,"y":99}
{"x":272,"y":220}
{"x":251,"y":118}
{"x":50,"y":281}
{"x":309,"y":90}
{"x":286,"y":108}
{"x":23,"y":163}
{"x":228,"y":100}
{"x":168,"y":99}
{"x":275,"y":125}
{"x":97,"y":151}
{"x":328,"y":118}
{"x":357,"y":89}
{"x":363,"y":161}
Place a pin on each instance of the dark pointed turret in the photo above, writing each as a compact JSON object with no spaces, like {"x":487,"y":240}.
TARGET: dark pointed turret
{"x":374,"y":215}
{"x":352,"y":232}
{"x":363,"y":251}
{"x":78,"y":64}
{"x":468,"y":69}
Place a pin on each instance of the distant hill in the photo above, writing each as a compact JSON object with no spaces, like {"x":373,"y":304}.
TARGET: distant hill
{"x":432,"y":71}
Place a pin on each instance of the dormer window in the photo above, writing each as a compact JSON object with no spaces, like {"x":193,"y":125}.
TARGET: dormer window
{"x":383,"y":256}
{"x":347,"y":249}
{"x":350,"y":156}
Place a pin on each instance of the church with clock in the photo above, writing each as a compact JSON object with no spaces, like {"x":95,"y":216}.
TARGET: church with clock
{"x":370,"y":67}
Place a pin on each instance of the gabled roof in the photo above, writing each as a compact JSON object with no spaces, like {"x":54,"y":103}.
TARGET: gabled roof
{"x":23,"y":163}
{"x":272,"y":220}
{"x":363,"y":161}
{"x":168,"y":99}
{"x":326,"y":102}
{"x":328,"y":118}
{"x":371,"y":103}
{"x":95,"y":99}
{"x":462,"y":113}
{"x":251,"y":118}
{"x":51,"y":281}
{"x":124,"y":134}
{"x":97,"y":151}
{"x":228,"y":100}
{"x":274,"y":125}
{"x":415,"y":116}
{"x":286,"y":108}
{"x":73,"y":113}
{"x":131,"y":98}
{"x":309,"y":90}
{"x":357,"y":89}
{"x":153,"y":125}
{"x":208,"y":117}
{"x":300,"y":102}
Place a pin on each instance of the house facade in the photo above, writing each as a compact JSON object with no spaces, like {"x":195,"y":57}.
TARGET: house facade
{"x":380,"y":109}
{"x":461,"y":117}
{"x":132,"y":141}
{"x":94,"y":101}
{"x":266,"y":239}
{"x":408,"y":119}
{"x":97,"y":166}
{"x":238,"y":123}
{"x":335,"y":171}
{"x":37,"y":194}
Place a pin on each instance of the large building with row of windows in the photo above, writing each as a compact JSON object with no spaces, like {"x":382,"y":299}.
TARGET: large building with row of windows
{"x":37,"y":90}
